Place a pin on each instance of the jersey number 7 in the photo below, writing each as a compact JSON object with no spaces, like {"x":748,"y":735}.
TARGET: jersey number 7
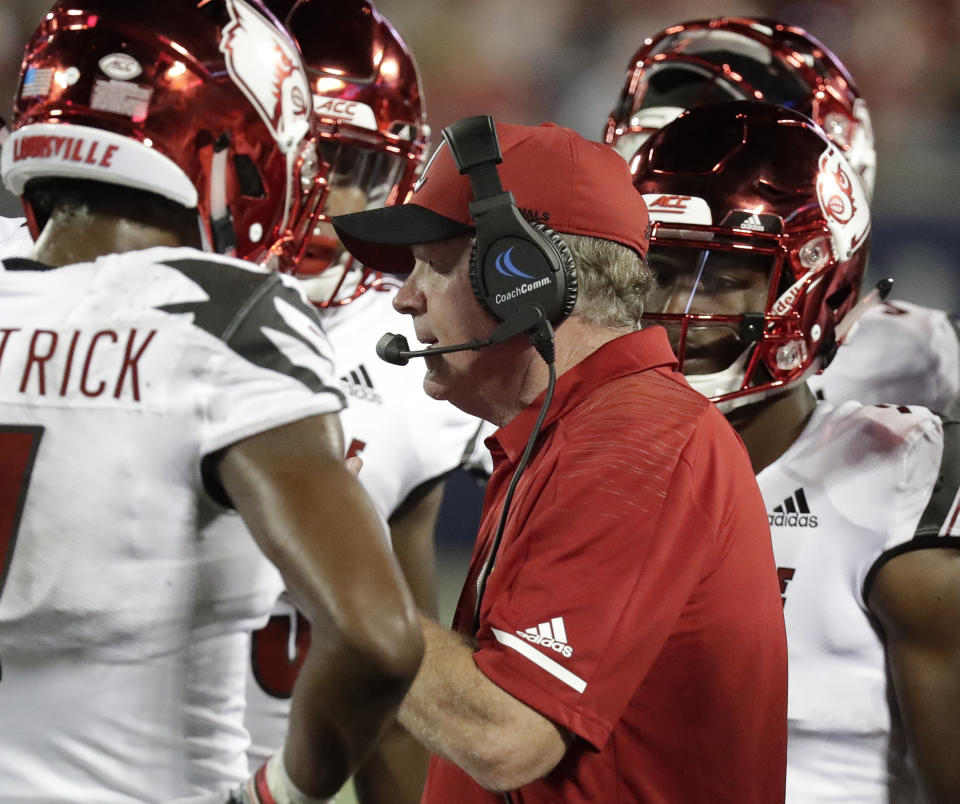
{"x":18,"y":451}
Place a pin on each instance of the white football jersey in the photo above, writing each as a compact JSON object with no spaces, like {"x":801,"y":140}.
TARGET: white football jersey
{"x":15,"y":240}
{"x":848,"y":495}
{"x":117,"y":378}
{"x":406,"y":440}
{"x":900,"y":354}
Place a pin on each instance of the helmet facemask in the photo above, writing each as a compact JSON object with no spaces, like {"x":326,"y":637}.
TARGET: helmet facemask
{"x":358,"y":176}
{"x":369,"y":116}
{"x":732,"y":309}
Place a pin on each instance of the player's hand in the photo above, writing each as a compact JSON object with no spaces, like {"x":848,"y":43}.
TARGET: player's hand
{"x":355,"y":464}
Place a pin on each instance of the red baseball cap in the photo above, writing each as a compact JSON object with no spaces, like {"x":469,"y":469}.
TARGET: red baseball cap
{"x":557,"y":177}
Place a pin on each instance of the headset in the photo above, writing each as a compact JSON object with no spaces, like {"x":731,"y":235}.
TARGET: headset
{"x":514,"y":264}
{"x":521,"y":273}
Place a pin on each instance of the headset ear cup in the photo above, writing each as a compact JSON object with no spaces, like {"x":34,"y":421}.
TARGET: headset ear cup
{"x":569,"y":268}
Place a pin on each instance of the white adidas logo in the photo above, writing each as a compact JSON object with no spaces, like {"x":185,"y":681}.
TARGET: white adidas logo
{"x":357,"y":383}
{"x":753,"y":223}
{"x":551,"y":635}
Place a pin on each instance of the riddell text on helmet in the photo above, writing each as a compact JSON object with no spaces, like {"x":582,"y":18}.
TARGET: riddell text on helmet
{"x":69,"y":149}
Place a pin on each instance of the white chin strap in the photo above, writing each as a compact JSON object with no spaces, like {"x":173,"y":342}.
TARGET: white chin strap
{"x":319,"y":288}
{"x":724,"y":382}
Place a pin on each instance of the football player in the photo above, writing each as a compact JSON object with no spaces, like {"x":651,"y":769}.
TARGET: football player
{"x":156,"y":398}
{"x":371,"y":121}
{"x":759,"y":240}
{"x":901,"y":352}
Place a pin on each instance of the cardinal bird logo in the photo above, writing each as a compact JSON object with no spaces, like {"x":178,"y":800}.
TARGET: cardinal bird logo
{"x":265,"y":66}
{"x":843,"y":201}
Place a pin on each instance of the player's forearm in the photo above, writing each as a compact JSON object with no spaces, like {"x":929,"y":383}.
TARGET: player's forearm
{"x":395,"y":771}
{"x":313,"y":520}
{"x":457,"y":712}
{"x":342,"y":704}
{"x":366,"y":647}
{"x":316,"y":524}
{"x":929,"y":700}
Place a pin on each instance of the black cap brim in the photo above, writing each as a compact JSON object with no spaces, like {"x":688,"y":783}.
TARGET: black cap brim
{"x":381,"y":238}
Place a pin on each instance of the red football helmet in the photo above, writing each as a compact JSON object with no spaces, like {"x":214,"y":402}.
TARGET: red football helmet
{"x":727,"y":58}
{"x":759,"y":241}
{"x":369,"y":113}
{"x":204,"y":102}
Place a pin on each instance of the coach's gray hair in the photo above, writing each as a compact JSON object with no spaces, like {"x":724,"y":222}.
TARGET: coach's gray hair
{"x":613,"y":282}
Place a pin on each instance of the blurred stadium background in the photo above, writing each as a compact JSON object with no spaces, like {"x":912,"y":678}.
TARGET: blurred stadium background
{"x":565,"y":60}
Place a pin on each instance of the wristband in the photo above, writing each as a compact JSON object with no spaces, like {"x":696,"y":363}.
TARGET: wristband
{"x":273,"y":780}
{"x":271,"y":784}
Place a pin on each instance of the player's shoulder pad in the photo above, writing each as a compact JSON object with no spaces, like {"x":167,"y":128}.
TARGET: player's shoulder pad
{"x":894,"y":423}
{"x":253,"y":312}
{"x":954,"y":323}
{"x":907,"y":314}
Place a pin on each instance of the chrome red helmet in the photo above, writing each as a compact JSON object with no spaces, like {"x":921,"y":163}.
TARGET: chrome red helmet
{"x":729,"y":58}
{"x":372,"y":127}
{"x":204,"y":102}
{"x":759,"y":241}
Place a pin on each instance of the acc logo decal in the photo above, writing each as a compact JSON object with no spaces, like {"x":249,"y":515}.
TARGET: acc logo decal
{"x":120,"y":66}
{"x":671,"y":208}
{"x":353,"y":112}
{"x":843,"y":202}
{"x":670,"y":202}
{"x":266,"y":68}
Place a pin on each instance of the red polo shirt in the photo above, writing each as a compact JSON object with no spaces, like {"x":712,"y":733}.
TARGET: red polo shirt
{"x":634,"y":600}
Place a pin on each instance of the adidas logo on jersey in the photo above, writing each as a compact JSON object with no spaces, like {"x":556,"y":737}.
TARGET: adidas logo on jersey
{"x":793,"y":512}
{"x":357,"y":383}
{"x":552,"y":635}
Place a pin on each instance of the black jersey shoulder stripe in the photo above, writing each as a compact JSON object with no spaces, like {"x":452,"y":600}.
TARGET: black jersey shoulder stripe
{"x":942,"y":505}
{"x":952,"y":408}
{"x":941,"y":509}
{"x":240,"y":305}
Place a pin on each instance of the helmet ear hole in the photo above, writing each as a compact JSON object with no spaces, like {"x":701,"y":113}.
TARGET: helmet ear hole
{"x":248,"y":177}
{"x":837,"y":299}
